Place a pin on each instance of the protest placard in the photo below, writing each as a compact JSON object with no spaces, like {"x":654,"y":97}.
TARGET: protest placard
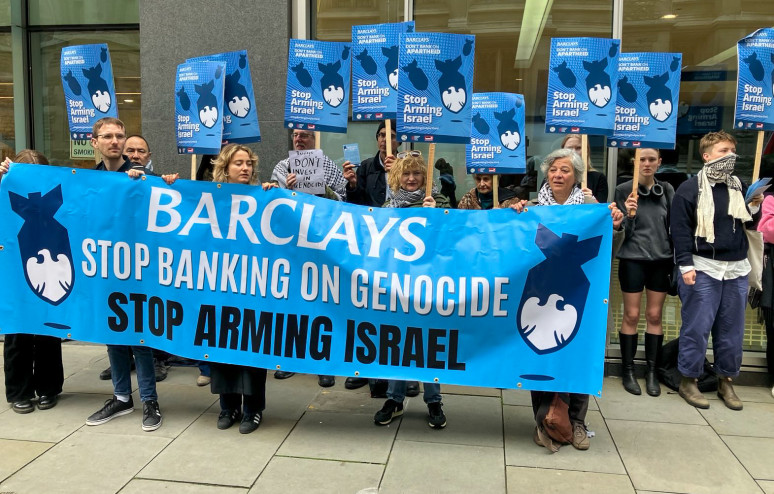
{"x":497,"y":143}
{"x":308,"y":167}
{"x":199,"y":107}
{"x":87,"y":79}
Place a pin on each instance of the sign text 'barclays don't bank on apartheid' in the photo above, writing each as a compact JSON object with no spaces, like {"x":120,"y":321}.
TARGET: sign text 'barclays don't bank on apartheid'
{"x":755,"y":81}
{"x":274,"y":279}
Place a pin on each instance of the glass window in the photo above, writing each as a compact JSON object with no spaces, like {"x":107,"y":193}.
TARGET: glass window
{"x":78,"y":12}
{"x":50,"y":123}
{"x":5,"y":12}
{"x":7,"y":131}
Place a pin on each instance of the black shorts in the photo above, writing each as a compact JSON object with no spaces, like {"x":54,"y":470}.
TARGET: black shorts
{"x":636,"y":275}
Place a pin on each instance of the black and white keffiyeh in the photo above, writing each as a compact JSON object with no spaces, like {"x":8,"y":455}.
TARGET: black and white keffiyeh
{"x":333,"y":176}
{"x":718,"y":171}
{"x":402,"y":198}
{"x":546,"y":196}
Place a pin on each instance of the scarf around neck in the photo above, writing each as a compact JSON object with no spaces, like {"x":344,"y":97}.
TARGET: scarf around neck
{"x":402,"y":198}
{"x":546,"y":196}
{"x":715,"y":172}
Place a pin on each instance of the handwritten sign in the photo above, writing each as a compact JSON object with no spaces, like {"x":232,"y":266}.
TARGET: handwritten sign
{"x":308,"y":167}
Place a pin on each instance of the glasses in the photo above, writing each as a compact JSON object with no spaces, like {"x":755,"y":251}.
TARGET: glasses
{"x":413,"y":153}
{"x":110,"y":137}
{"x":302,"y":135}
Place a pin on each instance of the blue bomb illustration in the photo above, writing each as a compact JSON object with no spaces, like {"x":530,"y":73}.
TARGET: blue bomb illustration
{"x":185,"y":101}
{"x":510,"y":137}
{"x":46,"y":258}
{"x":626,"y":90}
{"x":103,"y":55}
{"x":368,"y":64}
{"x":391,"y":65}
{"x":566,"y":76}
{"x":207,"y":104}
{"x":675,"y":64}
{"x":598,"y":82}
{"x":467,"y":47}
{"x":345,"y":53}
{"x":98,"y":88}
{"x":480,"y":124}
{"x":72,"y":83}
{"x":659,"y":96}
{"x":302,"y":75}
{"x":242,"y":61}
{"x":416,"y":75}
{"x":451,"y":84}
{"x":239,"y":104}
{"x":555,"y":292}
{"x":331,"y":83}
{"x":755,"y":66}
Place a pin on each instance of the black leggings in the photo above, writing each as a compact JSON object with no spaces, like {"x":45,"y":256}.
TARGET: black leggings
{"x":33,"y":364}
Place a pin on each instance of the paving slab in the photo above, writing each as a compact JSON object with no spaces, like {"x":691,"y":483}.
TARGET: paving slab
{"x":16,"y":454}
{"x":452,"y":389}
{"x":86,"y":380}
{"x":754,"y":394}
{"x":548,"y":481}
{"x":339,"y":436}
{"x":144,"y":486}
{"x":520,"y":450}
{"x":767,"y":486}
{"x":114,"y":459}
{"x":218,"y":457}
{"x":471,"y":420}
{"x":293,"y":394}
{"x":755,"y":420}
{"x":453,"y":468}
{"x":617,"y":403}
{"x":356,"y":401}
{"x":755,"y":453}
{"x":78,"y":355}
{"x":50,"y":425}
{"x":521,"y":397}
{"x":652,"y":466}
{"x":307,"y":476}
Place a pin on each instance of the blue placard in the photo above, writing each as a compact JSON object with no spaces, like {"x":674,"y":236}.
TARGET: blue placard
{"x":375,"y":69}
{"x":87,"y":79}
{"x":199,"y":107}
{"x":435,"y":87}
{"x":240,"y":113}
{"x":755,"y":81}
{"x":648,"y":97}
{"x":273,"y":279}
{"x":497,"y":143}
{"x":581,"y":86}
{"x":317,"y":91}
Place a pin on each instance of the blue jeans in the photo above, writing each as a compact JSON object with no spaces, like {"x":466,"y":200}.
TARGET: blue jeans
{"x":396,"y":390}
{"x":120,"y":366}
{"x":204,"y":368}
{"x":716,"y":307}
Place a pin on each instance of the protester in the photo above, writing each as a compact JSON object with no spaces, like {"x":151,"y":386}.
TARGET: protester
{"x":446,"y":179}
{"x":766,"y":227}
{"x":645,"y":262}
{"x":563,"y":169}
{"x":32,"y":363}
{"x":406,"y":180}
{"x":708,"y":221}
{"x":595,"y":181}
{"x":482,"y":195}
{"x":367,"y":182}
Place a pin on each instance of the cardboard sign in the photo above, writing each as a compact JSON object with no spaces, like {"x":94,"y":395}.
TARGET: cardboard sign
{"x":87,"y":79}
{"x":497,"y":143}
{"x":199,"y":107}
{"x":308,"y":167}
{"x":755,"y":81}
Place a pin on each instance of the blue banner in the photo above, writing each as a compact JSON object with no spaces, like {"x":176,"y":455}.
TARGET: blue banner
{"x":273,"y":279}
{"x":435,"y":87}
{"x":375,"y":69}
{"x":317,"y":91}
{"x":755,"y":81}
{"x":199,"y":107}
{"x":648,"y":97}
{"x":497,"y":143}
{"x":240,"y":113}
{"x":87,"y":79}
{"x":581,"y":86}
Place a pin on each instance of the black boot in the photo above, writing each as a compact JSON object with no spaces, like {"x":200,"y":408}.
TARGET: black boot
{"x":652,"y":350}
{"x":628,"y":349}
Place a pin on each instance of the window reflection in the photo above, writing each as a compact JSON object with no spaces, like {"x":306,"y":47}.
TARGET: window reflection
{"x":7,"y":130}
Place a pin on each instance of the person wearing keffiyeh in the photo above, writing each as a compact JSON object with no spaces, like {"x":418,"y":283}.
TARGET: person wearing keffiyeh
{"x":708,"y":218}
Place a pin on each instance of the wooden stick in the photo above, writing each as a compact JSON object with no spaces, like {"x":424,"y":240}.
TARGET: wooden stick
{"x":317,"y":139}
{"x":429,"y":179}
{"x":193,"y":167}
{"x":585,"y":158}
{"x":758,"y":154}
{"x":495,"y":194}
{"x":635,"y":178}
{"x":388,"y":136}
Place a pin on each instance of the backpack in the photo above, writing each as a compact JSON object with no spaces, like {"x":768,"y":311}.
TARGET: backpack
{"x":666,"y":368}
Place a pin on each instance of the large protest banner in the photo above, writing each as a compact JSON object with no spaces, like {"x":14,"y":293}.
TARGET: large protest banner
{"x":317,"y":90}
{"x":375,"y":69}
{"x":435,"y":86}
{"x":581,"y":90}
{"x":648,"y":95}
{"x":87,"y":79}
{"x":240,"y":122}
{"x":755,"y":83}
{"x":274,"y":279}
{"x":497,"y":143}
{"x":199,"y":107}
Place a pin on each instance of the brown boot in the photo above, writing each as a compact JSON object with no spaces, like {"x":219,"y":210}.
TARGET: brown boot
{"x":691,"y":394}
{"x":727,"y":394}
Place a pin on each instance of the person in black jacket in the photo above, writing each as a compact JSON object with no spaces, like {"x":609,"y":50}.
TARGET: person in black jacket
{"x":367,"y":182}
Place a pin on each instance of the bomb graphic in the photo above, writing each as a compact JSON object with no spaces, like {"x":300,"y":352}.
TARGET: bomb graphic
{"x":73,"y":83}
{"x":345,"y":52}
{"x":510,"y":137}
{"x":755,"y":66}
{"x":331,"y":83}
{"x":242,"y":61}
{"x":207,"y":104}
{"x":675,"y":64}
{"x":238,"y":101}
{"x":416,"y":75}
{"x":103,"y":55}
{"x":467,"y":47}
{"x":302,"y":75}
{"x":185,"y":101}
{"x":480,"y":124}
{"x":451,"y":84}
{"x":367,"y":62}
{"x":598,"y":82}
{"x":659,"y":96}
{"x":391,"y":65}
{"x":566,"y":76}
{"x":44,"y":245}
{"x":98,"y":88}
{"x":626,"y":90}
{"x":555,"y":292}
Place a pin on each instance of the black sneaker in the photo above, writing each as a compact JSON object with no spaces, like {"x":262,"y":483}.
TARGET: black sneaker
{"x":389,"y":411}
{"x":160,"y":370}
{"x":436,"y":418}
{"x":227,"y":418}
{"x":283,"y":374}
{"x":151,"y":415}
{"x":250,"y":422}
{"x":113,"y":408}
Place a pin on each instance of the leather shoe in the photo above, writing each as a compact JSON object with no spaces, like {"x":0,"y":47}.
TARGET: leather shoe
{"x":326,"y":381}
{"x":412,"y":388}
{"x":46,"y":402}
{"x":355,"y":382}
{"x":283,"y":374}
{"x":691,"y":394}
{"x":22,"y":406}
{"x":727,"y":394}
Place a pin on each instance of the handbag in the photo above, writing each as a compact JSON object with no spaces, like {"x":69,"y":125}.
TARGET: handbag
{"x":755,"y":258}
{"x":557,"y":422}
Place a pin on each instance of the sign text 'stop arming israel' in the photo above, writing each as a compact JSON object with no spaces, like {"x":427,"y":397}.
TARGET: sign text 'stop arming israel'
{"x":199,"y":107}
{"x":497,"y":143}
{"x":648,"y":95}
{"x":581,"y":86}
{"x":240,"y":113}
{"x":755,"y":83}
{"x":87,"y":79}
{"x":375,"y":69}
{"x":435,"y":87}
{"x":317,"y":91}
